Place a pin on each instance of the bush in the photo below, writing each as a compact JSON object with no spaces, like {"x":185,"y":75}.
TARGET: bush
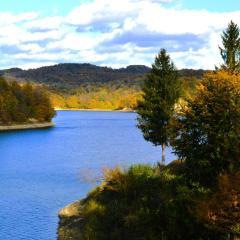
{"x":142,"y":202}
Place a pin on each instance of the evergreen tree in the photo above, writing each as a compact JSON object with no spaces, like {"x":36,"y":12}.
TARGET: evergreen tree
{"x":231,"y":48}
{"x":161,"y":90}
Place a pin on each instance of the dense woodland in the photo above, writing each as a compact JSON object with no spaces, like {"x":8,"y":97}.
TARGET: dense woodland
{"x":66,"y":77}
{"x":87,"y":86}
{"x":111,"y":96}
{"x":23,"y":103}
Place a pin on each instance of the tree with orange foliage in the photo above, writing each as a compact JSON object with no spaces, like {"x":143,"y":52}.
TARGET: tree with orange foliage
{"x":221,"y":210}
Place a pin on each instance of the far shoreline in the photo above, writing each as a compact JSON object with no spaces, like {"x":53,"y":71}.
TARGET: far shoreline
{"x":94,"y":110}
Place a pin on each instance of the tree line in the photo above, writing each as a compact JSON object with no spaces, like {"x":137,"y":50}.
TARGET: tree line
{"x":98,"y":97}
{"x":23,"y":103}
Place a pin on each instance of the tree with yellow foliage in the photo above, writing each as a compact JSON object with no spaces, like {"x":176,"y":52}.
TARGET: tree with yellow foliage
{"x":207,"y":132}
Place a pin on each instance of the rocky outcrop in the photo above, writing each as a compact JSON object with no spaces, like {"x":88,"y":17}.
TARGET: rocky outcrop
{"x":70,"y":222}
{"x":26,"y":126}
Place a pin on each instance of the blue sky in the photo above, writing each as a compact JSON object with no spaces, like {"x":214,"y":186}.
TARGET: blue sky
{"x":63,"y":7}
{"x":211,"y":5}
{"x":48,"y":7}
{"x":113,"y":33}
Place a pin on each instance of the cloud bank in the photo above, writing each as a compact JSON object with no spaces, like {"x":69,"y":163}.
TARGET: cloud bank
{"x":114,"y":33}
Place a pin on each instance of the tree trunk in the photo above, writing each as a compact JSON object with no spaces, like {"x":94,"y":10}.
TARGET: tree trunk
{"x":163,"y":153}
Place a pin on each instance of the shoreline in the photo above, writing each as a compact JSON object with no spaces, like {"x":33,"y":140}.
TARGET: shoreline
{"x":93,"y":110}
{"x":26,"y":126}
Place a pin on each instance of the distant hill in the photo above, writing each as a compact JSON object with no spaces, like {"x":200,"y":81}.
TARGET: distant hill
{"x":71,"y":75}
{"x":74,"y":75}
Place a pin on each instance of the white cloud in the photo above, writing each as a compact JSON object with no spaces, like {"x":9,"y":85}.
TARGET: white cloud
{"x":114,"y":33}
{"x":48,"y":23}
{"x":33,"y":65}
{"x":31,"y":48}
{"x":74,"y":41}
{"x":7,"y":18}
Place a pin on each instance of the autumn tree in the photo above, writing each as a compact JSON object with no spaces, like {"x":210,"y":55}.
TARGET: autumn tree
{"x":161,"y":91}
{"x":20,"y":104}
{"x":43,"y":110}
{"x":230,"y":51}
{"x":207,"y":132}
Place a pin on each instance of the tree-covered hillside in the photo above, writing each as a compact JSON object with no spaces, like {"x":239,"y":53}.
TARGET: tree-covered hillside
{"x":69,"y":75}
{"x":88,"y":86}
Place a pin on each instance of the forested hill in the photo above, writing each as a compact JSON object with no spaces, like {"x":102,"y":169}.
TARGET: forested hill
{"x":69,"y":75}
{"x":73,"y":75}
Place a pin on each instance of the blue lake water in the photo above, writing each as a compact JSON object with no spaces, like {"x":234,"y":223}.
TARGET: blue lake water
{"x":41,"y":171}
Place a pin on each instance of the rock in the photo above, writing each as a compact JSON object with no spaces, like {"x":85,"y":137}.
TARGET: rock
{"x":71,"y":210}
{"x":70,"y":222}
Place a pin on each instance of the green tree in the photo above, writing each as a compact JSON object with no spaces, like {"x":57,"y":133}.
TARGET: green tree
{"x":161,"y":91}
{"x":231,"y":48}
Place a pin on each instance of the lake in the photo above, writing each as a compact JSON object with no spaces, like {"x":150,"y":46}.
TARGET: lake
{"x":41,"y":171}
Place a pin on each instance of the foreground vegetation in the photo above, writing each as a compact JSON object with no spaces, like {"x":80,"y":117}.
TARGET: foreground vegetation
{"x":23,"y":103}
{"x":147,"y":202}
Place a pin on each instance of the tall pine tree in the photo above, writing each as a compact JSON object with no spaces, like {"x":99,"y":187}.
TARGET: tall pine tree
{"x":231,"y":48}
{"x":161,"y":91}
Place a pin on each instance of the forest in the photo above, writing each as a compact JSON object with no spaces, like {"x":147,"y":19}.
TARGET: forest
{"x":86,"y":86}
{"x":109,"y":96}
{"x":23,"y":103}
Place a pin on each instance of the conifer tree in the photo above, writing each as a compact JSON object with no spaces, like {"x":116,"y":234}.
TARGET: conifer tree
{"x":231,"y":48}
{"x":161,"y":90}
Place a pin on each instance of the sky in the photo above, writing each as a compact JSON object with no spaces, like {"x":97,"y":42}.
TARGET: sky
{"x":114,"y":33}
